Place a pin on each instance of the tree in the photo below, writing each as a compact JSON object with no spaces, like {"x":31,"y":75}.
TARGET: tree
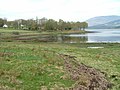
{"x":78,"y":25}
{"x":37,"y":23}
{"x":10,"y":24}
{"x":5,"y":20}
{"x":23,"y":24}
{"x":42,"y":23}
{"x":31,"y":24}
{"x":68,"y":26}
{"x":61,"y":25}
{"x":15,"y":24}
{"x":1,"y":22}
{"x":84,"y":25}
{"x":51,"y":25}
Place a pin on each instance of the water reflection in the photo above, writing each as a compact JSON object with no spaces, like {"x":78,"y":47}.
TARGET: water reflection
{"x":67,"y":39}
{"x":100,"y":35}
{"x":105,"y":35}
{"x":62,"y":39}
{"x":104,"y":39}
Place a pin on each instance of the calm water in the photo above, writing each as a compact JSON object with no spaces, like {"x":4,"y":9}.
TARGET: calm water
{"x":100,"y":35}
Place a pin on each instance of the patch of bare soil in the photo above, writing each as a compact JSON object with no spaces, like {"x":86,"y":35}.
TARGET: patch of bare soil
{"x":87,"y":78}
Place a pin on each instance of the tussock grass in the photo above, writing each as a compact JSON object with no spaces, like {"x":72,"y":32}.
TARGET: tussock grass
{"x":37,"y":65}
{"x":30,"y":67}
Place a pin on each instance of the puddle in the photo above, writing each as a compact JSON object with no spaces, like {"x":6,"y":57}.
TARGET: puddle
{"x":95,"y":47}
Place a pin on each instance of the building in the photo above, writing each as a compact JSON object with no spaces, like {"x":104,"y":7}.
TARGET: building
{"x":5,"y":26}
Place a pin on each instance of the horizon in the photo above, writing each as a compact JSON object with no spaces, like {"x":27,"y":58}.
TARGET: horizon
{"x":67,"y":10}
{"x":56,"y":20}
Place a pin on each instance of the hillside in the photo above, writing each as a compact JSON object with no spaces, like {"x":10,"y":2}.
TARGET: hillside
{"x":109,"y":25}
{"x":102,"y":20}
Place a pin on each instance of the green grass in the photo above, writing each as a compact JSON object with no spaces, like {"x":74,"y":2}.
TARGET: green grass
{"x":7,"y":34}
{"x":43,"y":32}
{"x":36,"y":65}
{"x":24,"y":66}
{"x":9,"y":31}
{"x":30,"y":67}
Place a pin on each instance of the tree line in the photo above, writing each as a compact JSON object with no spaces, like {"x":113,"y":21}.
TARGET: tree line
{"x":43,"y":24}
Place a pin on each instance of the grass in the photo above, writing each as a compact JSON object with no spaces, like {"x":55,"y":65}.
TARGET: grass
{"x":9,"y":31}
{"x":37,"y":65}
{"x":30,"y":67}
{"x":7,"y":34}
{"x":40,"y":32}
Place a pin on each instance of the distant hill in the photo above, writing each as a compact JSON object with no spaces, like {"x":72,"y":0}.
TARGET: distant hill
{"x":109,"y":25}
{"x":95,"y":21}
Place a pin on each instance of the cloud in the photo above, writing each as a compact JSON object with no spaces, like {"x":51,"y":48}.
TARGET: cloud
{"x":69,"y":10}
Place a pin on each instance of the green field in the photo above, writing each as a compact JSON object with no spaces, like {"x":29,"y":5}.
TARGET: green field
{"x":41,"y":66}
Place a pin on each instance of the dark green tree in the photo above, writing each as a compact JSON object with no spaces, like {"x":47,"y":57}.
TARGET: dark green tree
{"x":1,"y":22}
{"x":84,"y":25}
{"x":51,"y":25}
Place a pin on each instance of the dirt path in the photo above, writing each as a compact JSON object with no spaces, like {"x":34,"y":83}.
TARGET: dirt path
{"x":87,"y":78}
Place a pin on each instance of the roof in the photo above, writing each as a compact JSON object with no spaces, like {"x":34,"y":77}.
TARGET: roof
{"x":5,"y":26}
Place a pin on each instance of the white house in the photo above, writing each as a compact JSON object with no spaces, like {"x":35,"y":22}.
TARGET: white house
{"x":5,"y":26}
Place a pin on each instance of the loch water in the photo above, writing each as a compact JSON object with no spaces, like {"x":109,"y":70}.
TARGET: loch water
{"x":98,"y":36}
{"x":93,"y":36}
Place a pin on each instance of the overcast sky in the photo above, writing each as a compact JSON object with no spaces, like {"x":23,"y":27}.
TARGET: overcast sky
{"x":68,"y":10}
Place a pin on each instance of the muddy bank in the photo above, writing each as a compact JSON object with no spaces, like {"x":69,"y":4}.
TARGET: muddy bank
{"x":87,"y":78}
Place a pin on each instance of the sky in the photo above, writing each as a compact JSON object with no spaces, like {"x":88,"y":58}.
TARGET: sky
{"x":68,"y":10}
